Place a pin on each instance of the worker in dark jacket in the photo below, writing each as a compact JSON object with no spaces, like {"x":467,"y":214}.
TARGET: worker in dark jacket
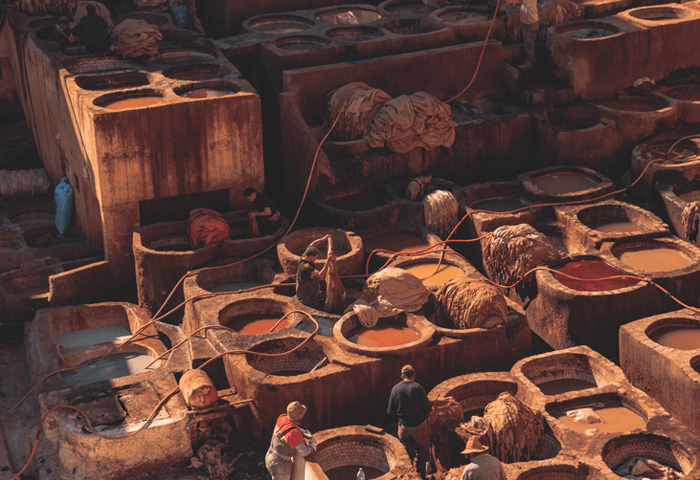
{"x":409,"y":402}
{"x":61,"y":31}
{"x":93,"y":31}
{"x":287,"y":438}
{"x":265,"y":215}
{"x":308,"y":278}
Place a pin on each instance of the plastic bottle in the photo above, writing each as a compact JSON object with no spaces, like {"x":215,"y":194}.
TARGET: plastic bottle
{"x":360,"y":474}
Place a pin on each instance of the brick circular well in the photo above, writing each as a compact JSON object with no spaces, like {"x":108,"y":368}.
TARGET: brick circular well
{"x":348,"y":249}
{"x":656,"y":447}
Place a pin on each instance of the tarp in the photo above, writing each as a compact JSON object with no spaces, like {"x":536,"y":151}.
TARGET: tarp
{"x":133,"y":38}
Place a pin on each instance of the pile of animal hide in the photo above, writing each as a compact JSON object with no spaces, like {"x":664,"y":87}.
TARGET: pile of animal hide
{"x":134,"y":38}
{"x":446,"y":414}
{"x":46,"y":7}
{"x":400,"y":124}
{"x":205,"y":226}
{"x":464,"y":303}
{"x":550,"y":12}
{"x":690,"y":219}
{"x":387,"y":293}
{"x":440,"y":209}
{"x":513,"y":250}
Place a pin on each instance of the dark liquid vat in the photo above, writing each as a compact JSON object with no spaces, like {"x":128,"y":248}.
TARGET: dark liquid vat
{"x":679,"y":154}
{"x":681,"y":338}
{"x":563,"y":385}
{"x":133,"y":102}
{"x":564,"y":182}
{"x":302,"y":46}
{"x":281,"y":27}
{"x":382,"y":336}
{"x":592,"y":269}
{"x":396,"y":242}
{"x":358,"y":202}
{"x":497,"y":204}
{"x":656,"y":259}
{"x":687,"y":95}
{"x":610,"y":226}
{"x":350,"y":472}
{"x":632,"y":104}
{"x":178,"y":247}
{"x":289,"y":373}
{"x":256,"y":324}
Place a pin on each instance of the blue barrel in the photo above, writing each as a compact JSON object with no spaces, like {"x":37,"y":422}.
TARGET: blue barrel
{"x":179,"y":15}
{"x":64,"y":205}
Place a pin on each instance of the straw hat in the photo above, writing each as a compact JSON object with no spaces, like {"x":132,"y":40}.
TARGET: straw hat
{"x":296,"y":411}
{"x":474,"y":446}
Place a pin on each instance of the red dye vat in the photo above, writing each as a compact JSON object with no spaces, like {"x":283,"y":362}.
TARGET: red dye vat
{"x":349,"y":472}
{"x":593,"y":271}
{"x":382,"y":336}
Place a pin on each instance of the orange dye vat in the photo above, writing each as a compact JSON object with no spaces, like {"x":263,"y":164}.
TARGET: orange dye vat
{"x":680,"y":338}
{"x":382,"y":336}
{"x":615,"y":419}
{"x":564,"y":182}
{"x":592,"y":270}
{"x":430,"y":278}
{"x":256,"y":324}
{"x":656,"y":259}
{"x":563,"y":385}
{"x":615,"y":227}
{"x":396,"y":242}
{"x":133,"y":102}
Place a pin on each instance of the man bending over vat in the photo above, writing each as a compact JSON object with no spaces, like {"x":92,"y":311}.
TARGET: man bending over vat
{"x":308,"y":279}
{"x":418,"y":188}
{"x":483,"y":466}
{"x":266,"y":220}
{"x":409,"y":402}
{"x":287,"y":438}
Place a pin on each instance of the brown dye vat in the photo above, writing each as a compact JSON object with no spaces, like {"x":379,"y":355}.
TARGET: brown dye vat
{"x":607,"y":226}
{"x":461,"y":17}
{"x":655,"y":259}
{"x":133,"y":102}
{"x":396,"y":242}
{"x":208,"y":93}
{"x":564,"y":385}
{"x":564,"y":182}
{"x":430,"y":278}
{"x":278,"y":28}
{"x":382,"y":336}
{"x":349,"y":16}
{"x":358,"y":202}
{"x":592,"y":269}
{"x":256,"y":324}
{"x":5,"y":250}
{"x":679,"y":154}
{"x":498,"y":204}
{"x":349,"y":472}
{"x":680,"y":338}
{"x":630,"y":104}
{"x":615,"y":420}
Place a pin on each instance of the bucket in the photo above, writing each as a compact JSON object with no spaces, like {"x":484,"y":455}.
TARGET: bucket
{"x":198,"y":389}
{"x":179,"y":15}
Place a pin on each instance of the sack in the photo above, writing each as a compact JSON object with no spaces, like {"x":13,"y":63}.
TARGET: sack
{"x":64,"y":205}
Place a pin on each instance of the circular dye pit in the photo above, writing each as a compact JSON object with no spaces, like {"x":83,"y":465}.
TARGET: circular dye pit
{"x":302,"y":43}
{"x":654,"y":259}
{"x":193,"y":72}
{"x":661,"y":449}
{"x":564,"y":182}
{"x":498,"y":204}
{"x":349,"y":16}
{"x":609,"y":226}
{"x":554,"y":472}
{"x":406,"y":7}
{"x":112,"y":81}
{"x":92,"y":336}
{"x":431,"y":275}
{"x":178,"y":243}
{"x":657,"y":14}
{"x":356,"y":34}
{"x":615,"y":420}
{"x":299,"y":362}
{"x":349,"y":472}
{"x":681,"y":153}
{"x":382,"y":336}
{"x":631,"y":104}
{"x":678,"y":337}
{"x":257,"y":324}
{"x":115,"y":366}
{"x":133,"y":102}
{"x":402,"y":242}
{"x":594,"y":273}
{"x":564,"y":385}
{"x":587,"y":30}
{"x":210,"y":92}
{"x":684,"y":93}
{"x":358,"y":202}
{"x":463,"y":17}
{"x":408,"y":26}
{"x":177,"y":56}
{"x":281,"y":25}
{"x":347,"y":246}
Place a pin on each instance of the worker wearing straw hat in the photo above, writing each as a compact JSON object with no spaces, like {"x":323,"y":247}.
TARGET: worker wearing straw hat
{"x":483,"y":466}
{"x":287,"y":438}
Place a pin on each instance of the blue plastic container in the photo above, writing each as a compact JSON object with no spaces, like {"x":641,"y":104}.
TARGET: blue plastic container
{"x":179,"y":15}
{"x":64,"y":205}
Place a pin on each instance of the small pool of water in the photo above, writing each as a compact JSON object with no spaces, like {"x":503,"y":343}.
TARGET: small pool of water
{"x":114,"y":366}
{"x":257,"y":323}
{"x":382,"y":336}
{"x":133,"y":102}
{"x":655,"y":259}
{"x":680,"y":338}
{"x":432,"y":278}
{"x":92,"y":336}
{"x":349,"y":472}
{"x":593,"y":270}
{"x":563,"y":385}
{"x":498,"y":204}
{"x":615,"y":420}
{"x":564,"y":182}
